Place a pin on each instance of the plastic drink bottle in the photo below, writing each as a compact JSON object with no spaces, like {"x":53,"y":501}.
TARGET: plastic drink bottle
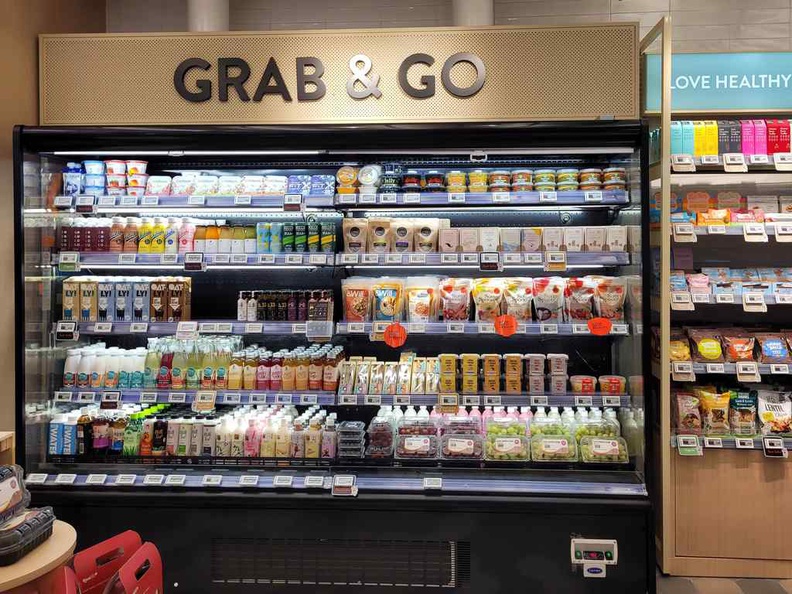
{"x":139,"y":368}
{"x":199,"y":239}
{"x":172,"y":236}
{"x":116,"y":241}
{"x":185,"y":434}
{"x":226,"y":239}
{"x":250,"y":239}
{"x":98,"y":371}
{"x":249,"y":370}
{"x":112,"y":367}
{"x":235,"y":371}
{"x":131,"y":237}
{"x":222,"y":363}
{"x":186,"y":235}
{"x":192,"y":380}
{"x":252,"y":439}
{"x":208,"y":369}
{"x":238,"y":240}
{"x":71,"y":367}
{"x":179,"y":369}
{"x":145,"y":236}
{"x":237,"y":439}
{"x":132,"y":436}
{"x":158,"y":236}
{"x":212,"y":240}
{"x":153,"y":358}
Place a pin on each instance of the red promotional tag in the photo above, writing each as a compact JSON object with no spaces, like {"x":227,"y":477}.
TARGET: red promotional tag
{"x":395,"y":335}
{"x":506,"y":325}
{"x":600,"y":326}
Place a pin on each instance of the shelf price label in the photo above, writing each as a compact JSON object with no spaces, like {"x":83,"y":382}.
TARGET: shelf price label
{"x":127,"y":259}
{"x":347,"y":399}
{"x":293,"y":259}
{"x":683,"y":163}
{"x":455,"y":327}
{"x":411,"y":198}
{"x":352,"y":258}
{"x":66,"y":330}
{"x":204,"y":401}
{"x":254,"y":328}
{"x":449,"y":258}
{"x":779,"y":369}
{"x":580,"y":329}
{"x":748,"y":371}
{"x":36,"y":478}
{"x":716,"y":229}
{"x":187,"y":330}
{"x":433,"y":483}
{"x":471,"y":400}
{"x":715,"y":368}
{"x":710,"y":160}
{"x":177,"y":397}
{"x":684,"y":233}
{"x":492,"y":400}
{"x":69,"y":261}
{"x":283,"y":398}
{"x":401,"y":400}
{"x":128,"y":200}
{"x":754,"y":302}
{"x":744,"y":443}
{"x":196,"y":200}
{"x":154,"y":479}
{"x":548,"y":328}
{"x":456,"y":198}
{"x":93,"y":479}
{"x":292,"y":202}
{"x":415,"y":258}
{"x":367,"y":198}
{"x":308,"y":399}
{"x":470,"y":258}
{"x":773,"y":448}
{"x":346,"y":198}
{"x":682,"y":371}
{"x":539,"y":400}
{"x":548,"y":197}
{"x":388,"y":198}
{"x":169,"y":259}
{"x":232,"y":398}
{"x":86,"y":396}
{"x":242,"y":200}
{"x":283,"y":481}
{"x":724,"y":298}
{"x":713,"y":442}
{"x":344,"y":485}
{"x":490,"y":262}
{"x":512,"y":258}
{"x":584,"y":400}
{"x":689,"y":445}
{"x":783,"y":232}
{"x":700,"y":298}
{"x":266,"y":259}
{"x":782,"y":161}
{"x":681,"y":301}
{"x":248,"y":480}
{"x":754,"y":233}
{"x":148,"y":397}
{"x":62,"y":202}
{"x":103,"y":328}
{"x":501,"y":197}
{"x":555,"y":261}
{"x":758,"y":159}
{"x":612,"y":400}
{"x":314,"y":481}
{"x":221,"y":259}
{"x":592,"y":197}
{"x":175,"y":480}
{"x":149,"y":201}
{"x":317,"y":259}
{"x":194,"y":261}
{"x":734,"y":163}
{"x":369,"y":258}
{"x":62,"y":396}
{"x":65,"y":479}
{"x":212,"y":480}
{"x":125,"y":480}
{"x":372,"y":400}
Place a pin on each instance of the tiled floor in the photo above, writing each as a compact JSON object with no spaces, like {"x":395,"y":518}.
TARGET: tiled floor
{"x":679,"y":585}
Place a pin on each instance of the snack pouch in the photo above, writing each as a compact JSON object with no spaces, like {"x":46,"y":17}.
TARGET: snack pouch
{"x":610,"y":294}
{"x":688,"y":415}
{"x":487,"y":295}
{"x":549,"y":298}
{"x":679,"y":346}
{"x":775,"y":412}
{"x":579,"y":299}
{"x":355,"y":232}
{"x":386,"y":297}
{"x":421,"y":296}
{"x":738,"y":345}
{"x":517,"y":298}
{"x":742,"y":412}
{"x":714,"y":411}
{"x":455,"y":297}
{"x":356,"y":293}
{"x":772,"y":348}
{"x":706,"y":346}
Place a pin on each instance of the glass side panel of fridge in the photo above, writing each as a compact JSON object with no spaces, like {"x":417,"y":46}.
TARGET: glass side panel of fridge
{"x":393,"y":313}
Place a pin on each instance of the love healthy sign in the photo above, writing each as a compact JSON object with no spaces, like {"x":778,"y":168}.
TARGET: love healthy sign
{"x":716,"y":82}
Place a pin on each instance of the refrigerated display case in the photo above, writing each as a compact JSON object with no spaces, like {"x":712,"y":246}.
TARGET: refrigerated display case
{"x":242,"y":343}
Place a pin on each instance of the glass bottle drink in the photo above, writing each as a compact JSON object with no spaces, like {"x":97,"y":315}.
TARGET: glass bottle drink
{"x":289,"y":372}
{"x":235,"y":371}
{"x":186,"y":235}
{"x":100,"y":430}
{"x":145,"y":236}
{"x":249,"y":372}
{"x":179,"y":368}
{"x":165,"y":367}
{"x":212,"y":239}
{"x":208,"y":364}
{"x":302,"y":306}
{"x":222,"y":362}
{"x":264,"y":371}
{"x":250,"y":239}
{"x":238,"y":240}
{"x":192,"y":380}
{"x":315,"y":372}
{"x":151,"y":370}
{"x":276,"y":372}
{"x":116,"y":243}
{"x":226,"y":239}
{"x":301,"y":372}
{"x":291,"y":306}
{"x":159,"y":436}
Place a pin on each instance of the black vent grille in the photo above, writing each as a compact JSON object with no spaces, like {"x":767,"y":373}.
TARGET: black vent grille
{"x":320,"y":562}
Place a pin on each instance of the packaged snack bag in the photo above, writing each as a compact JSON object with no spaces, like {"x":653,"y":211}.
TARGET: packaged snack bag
{"x":487,"y":296}
{"x":610,"y":295}
{"x":679,"y":346}
{"x":549,"y":298}
{"x":355,"y":233}
{"x":772,"y":348}
{"x":518,"y":297}
{"x":738,"y":345}
{"x":421,"y":294}
{"x":386,"y":295}
{"x":714,"y":411}
{"x":356,"y":293}
{"x":455,"y":298}
{"x":579,"y":299}
{"x":687,"y":413}
{"x":706,"y":346}
{"x":775,"y":412}
{"x":742,"y":412}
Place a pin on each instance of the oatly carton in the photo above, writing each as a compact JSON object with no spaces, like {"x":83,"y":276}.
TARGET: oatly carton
{"x":123,"y":302}
{"x":140,"y":301}
{"x":71,"y":299}
{"x":88,"y":301}
{"x":105,"y":301}
{"x":158,"y":310}
{"x":177,"y":294}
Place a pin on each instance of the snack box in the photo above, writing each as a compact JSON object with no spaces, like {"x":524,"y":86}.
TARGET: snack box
{"x":574,"y":238}
{"x":459,"y":425}
{"x":510,"y":239}
{"x":14,"y":497}
{"x":617,"y":238}
{"x":761,"y":137}
{"x":747,"y":132}
{"x":469,"y":239}
{"x":489,"y":239}
{"x":557,"y":363}
{"x":410,"y":447}
{"x":552,"y":238}
{"x":512,"y":363}
{"x":735,"y":136}
{"x":699,"y":138}
{"x":461,"y":447}
{"x":417,"y":426}
{"x":596,"y":237}
{"x":491,"y":364}
{"x":724,"y":129}
{"x":531,"y":239}
{"x":688,"y":138}
{"x":449,"y":240}
{"x":470,"y":363}
{"x":448,"y":363}
{"x":710,"y":137}
{"x":766,"y":203}
{"x":599,"y":450}
{"x":676,"y":138}
{"x":536,"y":384}
{"x":777,"y":136}
{"x":469,"y":384}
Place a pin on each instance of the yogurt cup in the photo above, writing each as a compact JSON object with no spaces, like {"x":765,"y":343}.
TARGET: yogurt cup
{"x":614,"y":185}
{"x":567,"y":186}
{"x":116,"y":191}
{"x":499,"y":178}
{"x":522,"y":176}
{"x":116,"y":180}
{"x":115,"y":167}
{"x":206,"y":185}
{"x":583,"y":384}
{"x":535,"y":364}
{"x":183,"y":185}
{"x":136,"y":167}
{"x":94,"y":190}
{"x":94,"y":180}
{"x":567,"y":175}
{"x":158,"y":185}
{"x":612,"y":384}
{"x":591,"y":174}
{"x":138,"y":191}
{"x":94,"y":167}
{"x":544,"y":176}
{"x":137,"y":180}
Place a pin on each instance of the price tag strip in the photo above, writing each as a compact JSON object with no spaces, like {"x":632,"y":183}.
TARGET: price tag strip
{"x":754,"y":233}
{"x":689,"y":445}
{"x":683,"y":164}
{"x":748,"y":372}
{"x":344,"y":485}
{"x":684,"y":233}
{"x":754,"y":303}
{"x":682,"y":371}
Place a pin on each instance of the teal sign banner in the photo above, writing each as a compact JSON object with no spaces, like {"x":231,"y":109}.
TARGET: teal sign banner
{"x":713,"y":82}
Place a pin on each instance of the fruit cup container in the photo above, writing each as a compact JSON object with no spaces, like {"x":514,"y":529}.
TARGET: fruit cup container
{"x":461,"y":447}
{"x":550,"y":427}
{"x":461,"y":426}
{"x":409,"y":447}
{"x":597,"y":428}
{"x":599,"y":450}
{"x":505,"y":427}
{"x":417,"y":426}
{"x":502,"y":448}
{"x":546,"y":448}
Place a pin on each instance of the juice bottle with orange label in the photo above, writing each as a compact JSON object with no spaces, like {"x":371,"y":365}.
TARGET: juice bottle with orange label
{"x":212,"y":239}
{"x":199,"y":239}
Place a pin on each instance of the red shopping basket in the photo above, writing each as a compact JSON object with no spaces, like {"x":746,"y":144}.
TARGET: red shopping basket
{"x":142,"y":574}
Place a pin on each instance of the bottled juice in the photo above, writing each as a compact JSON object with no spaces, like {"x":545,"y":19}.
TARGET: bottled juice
{"x":315,"y":373}
{"x":249,"y":372}
{"x":283,"y":439}
{"x":238,"y":240}
{"x":165,"y":368}
{"x":159,"y":436}
{"x":225,"y":241}
{"x":186,"y":236}
{"x":222,"y":363}
{"x":131,"y":238}
{"x":267,"y":449}
{"x":208,"y":364}
{"x":238,"y":439}
{"x":250,"y":239}
{"x":313,"y":439}
{"x":276,"y":372}
{"x":196,"y":438}
{"x":172,"y":236}
{"x":235,"y":371}
{"x":329,"y":439}
{"x":158,"y":236}
{"x":117,"y":235}
{"x":263,"y":371}
{"x":132,"y":434}
{"x":212,"y":239}
{"x":199,"y":239}
{"x":179,"y":369}
{"x":297,"y":449}
{"x":252,"y":440}
{"x":100,"y":437}
{"x":84,"y":432}
{"x":192,"y":380}
{"x":146,"y":435}
{"x":145,"y":238}
{"x":117,"y":428}
{"x":301,"y":373}
{"x":153,"y":357}
{"x":289,"y":372}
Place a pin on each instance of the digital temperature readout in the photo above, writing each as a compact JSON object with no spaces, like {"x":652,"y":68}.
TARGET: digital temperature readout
{"x":593,"y":555}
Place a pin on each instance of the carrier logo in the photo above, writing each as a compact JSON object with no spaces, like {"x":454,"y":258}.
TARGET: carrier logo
{"x":233,"y":74}
{"x":594,"y":570}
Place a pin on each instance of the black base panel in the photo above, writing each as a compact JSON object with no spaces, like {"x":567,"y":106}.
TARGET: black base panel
{"x":233,"y":542}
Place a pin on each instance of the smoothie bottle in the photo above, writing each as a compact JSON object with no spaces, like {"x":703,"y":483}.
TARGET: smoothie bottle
{"x":116,"y":243}
{"x":238,"y":241}
{"x":288,"y":373}
{"x":249,"y":372}
{"x":179,"y":368}
{"x":172,"y":236}
{"x":225,"y":241}
{"x":186,"y":235}
{"x":212,"y":239}
{"x":71,"y":368}
{"x":208,"y":364}
{"x":158,"y":236}
{"x":131,"y":238}
{"x":100,"y":429}
{"x":252,"y":439}
{"x":199,"y":239}
{"x":222,"y":363}
{"x":263,"y":371}
{"x":192,"y":380}
{"x":250,"y":239}
{"x":159,"y":436}
{"x":145,"y":232}
{"x":235,"y":371}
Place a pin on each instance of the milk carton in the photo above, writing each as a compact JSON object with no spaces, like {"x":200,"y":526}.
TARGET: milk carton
{"x":123,"y":302}
{"x":158,"y":310}
{"x":71,"y":299}
{"x":88,"y":301}
{"x":140,"y":301}
{"x":105,"y":301}
{"x":177,"y":295}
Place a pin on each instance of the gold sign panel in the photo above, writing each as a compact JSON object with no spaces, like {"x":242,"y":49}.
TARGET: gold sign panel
{"x":529,"y":73}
